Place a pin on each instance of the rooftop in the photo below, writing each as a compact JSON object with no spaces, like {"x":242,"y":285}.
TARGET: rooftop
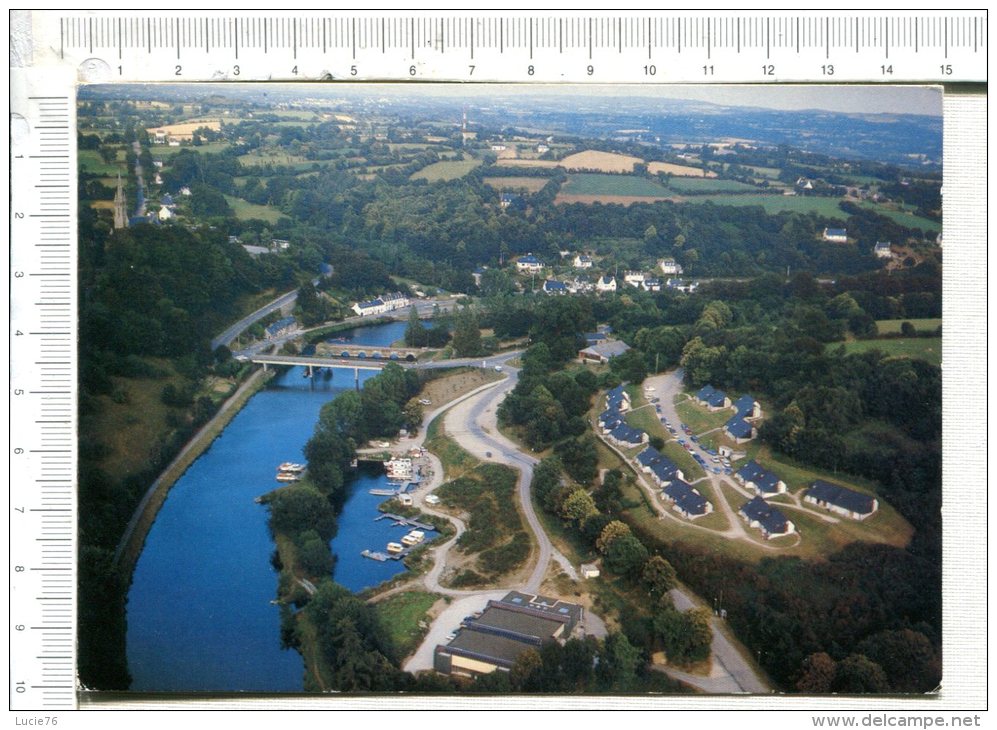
{"x":842,"y":497}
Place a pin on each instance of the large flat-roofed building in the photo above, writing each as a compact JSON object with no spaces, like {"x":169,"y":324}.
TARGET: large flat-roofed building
{"x":504,"y":630}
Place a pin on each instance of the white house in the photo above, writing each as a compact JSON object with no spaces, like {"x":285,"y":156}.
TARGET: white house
{"x":583,"y":262}
{"x":841,"y":500}
{"x":670,"y":266}
{"x":529,"y":263}
{"x":589,"y":570}
{"x":634,"y":278}
{"x":835,"y":235}
{"x":165,"y":213}
{"x":882,"y":250}
{"x":606,"y":283}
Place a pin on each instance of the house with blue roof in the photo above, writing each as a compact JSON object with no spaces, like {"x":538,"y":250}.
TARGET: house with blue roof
{"x":529,"y":263}
{"x":281,"y":327}
{"x":835,"y":235}
{"x":761,"y":515}
{"x":552,"y":286}
{"x":739,"y":430}
{"x":627,"y":436}
{"x":712,"y":398}
{"x":755,"y":477}
{"x":685,"y":500}
{"x":618,"y":395}
{"x":747,"y":407}
{"x":839,"y":499}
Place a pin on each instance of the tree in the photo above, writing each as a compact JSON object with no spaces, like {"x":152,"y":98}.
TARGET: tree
{"x":415,"y":334}
{"x":526,"y":671}
{"x":467,"y":334}
{"x":858,"y":674}
{"x":619,"y":661}
{"x":658,"y":575}
{"x":611,"y":532}
{"x":817,"y":674}
{"x":625,"y":555}
{"x":578,"y":506}
{"x":908,"y":658}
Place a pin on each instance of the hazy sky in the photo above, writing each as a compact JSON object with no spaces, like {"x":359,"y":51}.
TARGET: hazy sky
{"x":874,"y":99}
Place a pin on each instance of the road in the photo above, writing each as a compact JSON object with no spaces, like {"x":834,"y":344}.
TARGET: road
{"x":286,"y":302}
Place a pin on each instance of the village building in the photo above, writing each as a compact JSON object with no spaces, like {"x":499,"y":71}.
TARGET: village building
{"x":634,"y":278}
{"x":165,"y":214}
{"x":670,"y":267}
{"x":493,"y":640}
{"x":582,"y":262}
{"x":652,"y":284}
{"x":739,"y":430}
{"x":603,"y":352}
{"x":686,"y":287}
{"x":606,"y":284}
{"x":685,"y":500}
{"x":281,"y":327}
{"x":529,"y":263}
{"x":763,"y":482}
{"x":882,"y":250}
{"x":712,"y":398}
{"x":552,"y":286}
{"x":835,"y":235}
{"x":841,"y":500}
{"x":627,"y":436}
{"x":761,"y":515}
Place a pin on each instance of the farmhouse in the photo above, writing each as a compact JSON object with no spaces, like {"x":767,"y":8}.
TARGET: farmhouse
{"x":281,"y":327}
{"x":763,"y":482}
{"x":712,"y":398}
{"x":882,"y":250}
{"x":835,"y":235}
{"x":606,"y":283}
{"x":603,"y":352}
{"x":529,"y":263}
{"x":507,"y":199}
{"x":583,"y":262}
{"x":762,"y":516}
{"x":834,"y":497}
{"x":670,"y":266}
{"x":504,"y":630}
{"x":685,"y":500}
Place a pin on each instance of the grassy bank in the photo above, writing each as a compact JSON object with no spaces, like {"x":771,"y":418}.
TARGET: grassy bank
{"x":133,"y":540}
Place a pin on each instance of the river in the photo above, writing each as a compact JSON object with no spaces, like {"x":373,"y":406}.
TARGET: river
{"x":199,"y":611}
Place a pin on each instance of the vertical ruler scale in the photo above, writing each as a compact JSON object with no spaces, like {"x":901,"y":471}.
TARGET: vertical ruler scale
{"x":43,"y":402}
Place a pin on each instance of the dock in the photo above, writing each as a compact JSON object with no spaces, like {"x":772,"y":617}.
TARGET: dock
{"x":383,"y":557}
{"x":406,"y":521}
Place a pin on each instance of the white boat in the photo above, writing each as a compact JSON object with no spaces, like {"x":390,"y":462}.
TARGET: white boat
{"x":395,"y":547}
{"x":292,"y":468}
{"x":285,"y":476}
{"x":414,"y":537}
{"x":399,"y":469}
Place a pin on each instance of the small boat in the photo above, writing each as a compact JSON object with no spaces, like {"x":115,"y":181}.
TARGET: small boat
{"x":288,"y":477}
{"x":414,"y":538}
{"x":395,"y":547}
{"x":291,"y":467}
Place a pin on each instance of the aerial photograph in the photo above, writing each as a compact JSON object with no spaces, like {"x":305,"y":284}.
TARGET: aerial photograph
{"x":462,"y":389}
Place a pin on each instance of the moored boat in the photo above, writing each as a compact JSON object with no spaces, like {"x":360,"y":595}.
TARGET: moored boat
{"x":395,"y":547}
{"x":414,"y":538}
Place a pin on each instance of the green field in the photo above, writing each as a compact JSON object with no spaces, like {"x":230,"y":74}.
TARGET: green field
{"x":164,"y":152}
{"x":449,"y":170}
{"x":400,"y":615}
{"x":245,"y":210}
{"x":91,"y":160}
{"x":646,"y":419}
{"x":625,"y":185}
{"x":827,"y":207}
{"x":928,"y":349}
{"x":908,"y":220}
{"x":770,"y":172}
{"x":706,"y":185}
{"x":892,"y":326}
{"x":699,"y":418}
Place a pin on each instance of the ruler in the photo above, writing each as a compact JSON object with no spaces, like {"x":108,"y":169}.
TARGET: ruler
{"x":52,"y":51}
{"x":42,"y":396}
{"x":665,"y":47}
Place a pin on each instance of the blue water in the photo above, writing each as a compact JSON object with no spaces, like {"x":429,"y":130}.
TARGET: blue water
{"x":358,"y":531}
{"x":199,"y":611}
